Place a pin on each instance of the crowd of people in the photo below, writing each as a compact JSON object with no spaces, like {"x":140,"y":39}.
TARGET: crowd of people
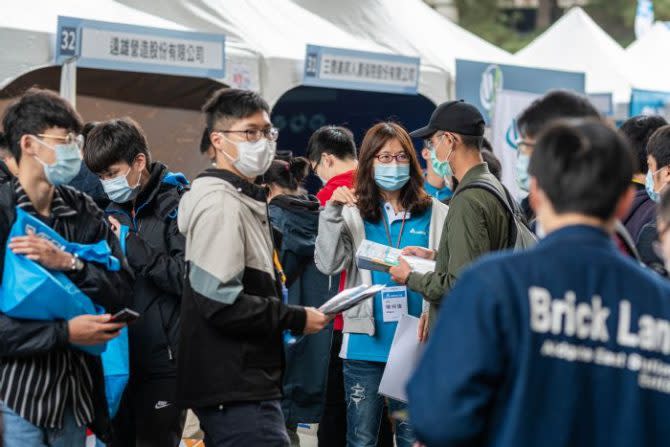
{"x":546,"y":320}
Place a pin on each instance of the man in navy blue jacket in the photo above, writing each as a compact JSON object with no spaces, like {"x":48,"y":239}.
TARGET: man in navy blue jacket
{"x":567,"y":344}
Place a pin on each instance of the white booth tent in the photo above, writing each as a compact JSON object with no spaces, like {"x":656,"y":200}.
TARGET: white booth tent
{"x":576,"y":43}
{"x":648,"y":56}
{"x":279,"y":31}
{"x":409,"y":27}
{"x":27,"y":30}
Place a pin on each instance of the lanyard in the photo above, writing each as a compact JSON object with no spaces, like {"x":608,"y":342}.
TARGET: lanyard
{"x":278,"y":267}
{"x":388,"y":231}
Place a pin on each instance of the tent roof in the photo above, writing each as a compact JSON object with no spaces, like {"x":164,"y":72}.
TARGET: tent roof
{"x":280,"y":31}
{"x":409,"y":27}
{"x":576,"y":43}
{"x":30,"y":26}
{"x":654,"y":67}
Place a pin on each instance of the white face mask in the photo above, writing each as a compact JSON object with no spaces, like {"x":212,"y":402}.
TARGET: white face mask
{"x":253,"y":159}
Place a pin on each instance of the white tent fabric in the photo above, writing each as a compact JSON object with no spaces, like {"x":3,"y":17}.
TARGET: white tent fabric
{"x":27,"y":33}
{"x":280,"y":31}
{"x":408,"y":27}
{"x":576,"y":43}
{"x":647,"y":55}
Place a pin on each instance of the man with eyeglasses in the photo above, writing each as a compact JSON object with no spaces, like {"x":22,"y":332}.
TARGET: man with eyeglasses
{"x":477,"y":223}
{"x":229,"y":369}
{"x":49,"y":389}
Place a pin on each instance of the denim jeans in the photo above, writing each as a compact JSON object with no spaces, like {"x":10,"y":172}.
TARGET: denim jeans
{"x":18,"y":432}
{"x":365,"y":406}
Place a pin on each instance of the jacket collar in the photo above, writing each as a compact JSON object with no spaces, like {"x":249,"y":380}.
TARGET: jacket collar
{"x":581,"y":233}
{"x":59,"y":207}
{"x":243,"y":186}
{"x":473,"y":174}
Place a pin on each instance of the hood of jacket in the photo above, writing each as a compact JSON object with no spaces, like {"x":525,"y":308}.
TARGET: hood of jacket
{"x":297,"y":218}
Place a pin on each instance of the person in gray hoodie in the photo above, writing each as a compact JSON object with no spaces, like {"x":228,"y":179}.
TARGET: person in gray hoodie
{"x":230,"y":368}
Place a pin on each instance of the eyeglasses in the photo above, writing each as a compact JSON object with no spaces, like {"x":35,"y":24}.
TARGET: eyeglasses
{"x":388,"y":158}
{"x":67,"y":139}
{"x":524,"y":146}
{"x":253,"y":135}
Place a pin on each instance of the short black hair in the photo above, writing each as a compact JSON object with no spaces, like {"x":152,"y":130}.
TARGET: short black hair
{"x":472,"y":141}
{"x":335,"y":140}
{"x":205,"y":142}
{"x":228,"y":104}
{"x":638,"y":130}
{"x":486,"y":145}
{"x":556,"y":104}
{"x":494,"y":163}
{"x":34,"y":112}
{"x":583,"y":166}
{"x":659,"y":146}
{"x":113,"y":141}
{"x":4,"y":146}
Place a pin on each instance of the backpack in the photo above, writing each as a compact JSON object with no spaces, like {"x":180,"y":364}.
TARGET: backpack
{"x":520,"y":236}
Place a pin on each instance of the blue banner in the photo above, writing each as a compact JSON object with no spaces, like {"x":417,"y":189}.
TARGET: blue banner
{"x":116,"y":46}
{"x":361,"y":70}
{"x":647,"y":102}
{"x":479,"y":82}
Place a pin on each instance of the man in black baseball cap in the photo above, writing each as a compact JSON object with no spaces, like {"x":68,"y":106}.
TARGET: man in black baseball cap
{"x":477,"y":222}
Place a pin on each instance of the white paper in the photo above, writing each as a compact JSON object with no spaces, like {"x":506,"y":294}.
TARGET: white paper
{"x":403,"y":358}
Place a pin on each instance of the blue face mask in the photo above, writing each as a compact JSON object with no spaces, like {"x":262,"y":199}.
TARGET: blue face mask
{"x":649,"y":186}
{"x":391,"y":177}
{"x":67,"y":165}
{"x":118,"y":190}
{"x":522,"y":177}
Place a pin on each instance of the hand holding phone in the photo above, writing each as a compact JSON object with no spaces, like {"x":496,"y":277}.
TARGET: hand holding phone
{"x":125,"y":316}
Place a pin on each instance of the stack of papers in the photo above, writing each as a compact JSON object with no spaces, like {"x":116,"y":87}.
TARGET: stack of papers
{"x":406,"y":351}
{"x":374,"y":256}
{"x":349,"y":298}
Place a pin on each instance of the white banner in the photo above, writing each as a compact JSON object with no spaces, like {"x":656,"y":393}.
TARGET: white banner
{"x":509,"y":104}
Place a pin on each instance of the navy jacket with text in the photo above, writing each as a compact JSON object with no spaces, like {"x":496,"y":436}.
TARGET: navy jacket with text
{"x":567,"y":344}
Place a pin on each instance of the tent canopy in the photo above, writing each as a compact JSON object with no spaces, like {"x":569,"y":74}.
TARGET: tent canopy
{"x":576,"y":43}
{"x":647,"y":54}
{"x":30,"y":25}
{"x":408,"y":27}
{"x":280,"y":31}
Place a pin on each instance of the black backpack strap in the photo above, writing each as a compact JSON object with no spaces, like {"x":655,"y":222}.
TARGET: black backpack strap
{"x":507,"y":203}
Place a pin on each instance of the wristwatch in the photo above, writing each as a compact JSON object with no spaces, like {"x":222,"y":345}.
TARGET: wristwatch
{"x":77,"y":264}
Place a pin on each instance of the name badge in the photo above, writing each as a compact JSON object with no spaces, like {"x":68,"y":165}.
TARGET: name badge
{"x":394,"y":303}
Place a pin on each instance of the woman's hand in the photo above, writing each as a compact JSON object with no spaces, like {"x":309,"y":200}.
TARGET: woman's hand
{"x":344,"y":196}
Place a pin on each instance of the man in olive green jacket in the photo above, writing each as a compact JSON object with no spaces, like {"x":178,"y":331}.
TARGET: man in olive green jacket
{"x":476,"y":223}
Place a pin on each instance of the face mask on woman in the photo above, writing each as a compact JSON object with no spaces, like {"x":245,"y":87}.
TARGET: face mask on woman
{"x":391,"y":177}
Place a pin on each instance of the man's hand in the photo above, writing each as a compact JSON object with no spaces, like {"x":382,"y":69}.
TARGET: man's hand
{"x":344,"y":196}
{"x":42,"y":251}
{"x":115,"y":226}
{"x":420,"y":252}
{"x":400,"y":273}
{"x":316,"y":321}
{"x":89,"y":330}
{"x":423,"y":327}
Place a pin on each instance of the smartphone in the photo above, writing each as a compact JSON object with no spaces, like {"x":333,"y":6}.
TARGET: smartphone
{"x":125,"y":316}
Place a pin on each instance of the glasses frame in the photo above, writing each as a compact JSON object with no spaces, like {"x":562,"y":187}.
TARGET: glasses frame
{"x":67,"y":139}
{"x":255,"y":135}
{"x":393,"y":158}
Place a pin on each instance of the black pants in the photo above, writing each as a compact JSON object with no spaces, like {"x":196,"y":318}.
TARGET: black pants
{"x":148,"y":416}
{"x":333,"y":426}
{"x":244,"y":424}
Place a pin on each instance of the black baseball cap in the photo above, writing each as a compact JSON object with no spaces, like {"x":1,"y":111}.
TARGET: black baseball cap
{"x":453,"y":116}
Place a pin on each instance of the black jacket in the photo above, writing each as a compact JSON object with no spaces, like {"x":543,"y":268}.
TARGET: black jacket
{"x":297,"y":219}
{"x":5,"y":173}
{"x":155,"y":251}
{"x":108,"y":289}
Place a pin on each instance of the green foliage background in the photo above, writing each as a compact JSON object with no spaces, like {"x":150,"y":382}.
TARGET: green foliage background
{"x":617,"y":17}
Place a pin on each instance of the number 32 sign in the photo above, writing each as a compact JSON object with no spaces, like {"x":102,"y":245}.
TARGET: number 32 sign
{"x":67,"y":44}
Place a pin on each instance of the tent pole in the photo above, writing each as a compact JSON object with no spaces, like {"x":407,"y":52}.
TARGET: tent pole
{"x":68,"y":81}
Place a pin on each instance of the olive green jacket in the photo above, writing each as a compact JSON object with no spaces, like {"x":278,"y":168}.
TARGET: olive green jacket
{"x":476,"y":224}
